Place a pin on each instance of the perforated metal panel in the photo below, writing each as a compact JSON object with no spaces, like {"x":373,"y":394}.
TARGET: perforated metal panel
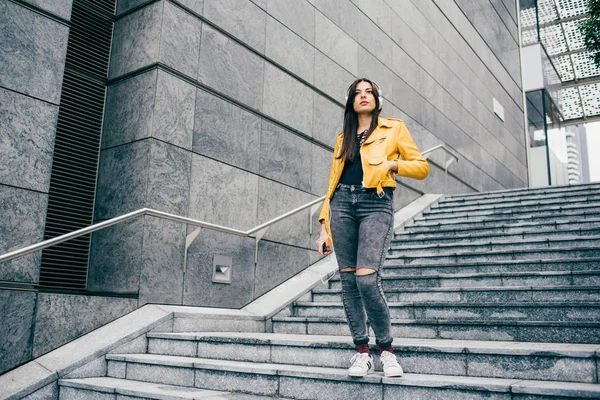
{"x":74,"y":168}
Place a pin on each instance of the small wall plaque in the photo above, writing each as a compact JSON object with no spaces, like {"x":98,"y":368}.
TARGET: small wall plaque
{"x":222,"y":268}
{"x":498,"y":109}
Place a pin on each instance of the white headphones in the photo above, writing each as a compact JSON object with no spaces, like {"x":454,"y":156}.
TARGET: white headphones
{"x":372,"y":83}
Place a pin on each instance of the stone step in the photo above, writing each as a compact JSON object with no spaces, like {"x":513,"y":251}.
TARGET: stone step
{"x":100,"y":388}
{"x":506,"y":193}
{"x":491,"y":359}
{"x":476,"y":295}
{"x":503,"y":330}
{"x":524,"y":205}
{"x":499,"y":225}
{"x":517,"y":311}
{"x":486,"y":246}
{"x":393,"y":268}
{"x":514,"y":216}
{"x":495,"y":255}
{"x":469,"y":236}
{"x":559,"y":197}
{"x":482,"y":280}
{"x":319,"y":383}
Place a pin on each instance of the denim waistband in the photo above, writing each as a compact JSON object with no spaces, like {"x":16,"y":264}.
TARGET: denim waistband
{"x":353,"y":188}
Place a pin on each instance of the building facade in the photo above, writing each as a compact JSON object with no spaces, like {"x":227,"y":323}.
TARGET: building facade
{"x":227,"y":112}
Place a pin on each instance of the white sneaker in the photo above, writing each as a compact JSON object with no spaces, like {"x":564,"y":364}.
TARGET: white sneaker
{"x":390,"y":364}
{"x":362,"y":364}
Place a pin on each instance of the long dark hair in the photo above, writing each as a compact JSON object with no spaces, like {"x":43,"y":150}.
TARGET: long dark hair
{"x":350,"y":141}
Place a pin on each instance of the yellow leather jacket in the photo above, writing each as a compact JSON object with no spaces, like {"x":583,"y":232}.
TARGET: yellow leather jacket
{"x":388,"y":142}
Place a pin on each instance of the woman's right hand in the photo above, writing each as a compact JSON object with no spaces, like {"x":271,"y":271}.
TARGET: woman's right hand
{"x":324,"y":238}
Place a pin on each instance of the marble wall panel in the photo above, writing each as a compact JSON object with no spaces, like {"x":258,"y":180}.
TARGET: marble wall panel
{"x":33,"y":51}
{"x":161,"y":279}
{"x":230,"y":68}
{"x":129,"y":110}
{"x":122,"y":179}
{"x":225,"y":132}
{"x":16,"y":330}
{"x":507,"y":19}
{"x":372,"y":68}
{"x":328,"y":120}
{"x":276,"y":199}
{"x":290,"y":50}
{"x":180,"y":40}
{"x":61,"y":318}
{"x":168,"y":177}
{"x":241,"y":18}
{"x":343,"y":13}
{"x":379,"y":12}
{"x":23,"y":218}
{"x":285,"y":157}
{"x":321,"y":166}
{"x":197,"y":6}
{"x":276,"y":264}
{"x":405,"y":67}
{"x":27,"y":133}
{"x":173,"y":119}
{"x":49,"y":391}
{"x":136,"y":40}
{"x":126,"y":5}
{"x":331,"y":78}
{"x":407,"y":39}
{"x":116,"y":258}
{"x":375,"y":40}
{"x":222,"y":194}
{"x":298,"y":15}
{"x":336,"y":43}
{"x":198,"y":286}
{"x":60,"y":8}
{"x":287,"y":99}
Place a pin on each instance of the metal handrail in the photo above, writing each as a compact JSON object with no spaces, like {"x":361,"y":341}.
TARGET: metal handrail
{"x":260,"y":230}
{"x":447,"y":163}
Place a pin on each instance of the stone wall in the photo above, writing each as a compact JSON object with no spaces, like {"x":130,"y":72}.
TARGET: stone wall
{"x":227,"y":112}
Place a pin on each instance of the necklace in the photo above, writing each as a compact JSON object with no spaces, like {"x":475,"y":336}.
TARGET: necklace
{"x":362,"y":136}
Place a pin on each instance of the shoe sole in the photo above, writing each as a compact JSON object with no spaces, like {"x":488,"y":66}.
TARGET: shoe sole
{"x":361,"y":375}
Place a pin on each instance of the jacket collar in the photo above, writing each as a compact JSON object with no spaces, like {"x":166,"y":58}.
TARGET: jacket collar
{"x":379,"y":133}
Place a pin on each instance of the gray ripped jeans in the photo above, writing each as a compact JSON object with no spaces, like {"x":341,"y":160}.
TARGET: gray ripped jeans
{"x":361,"y":229}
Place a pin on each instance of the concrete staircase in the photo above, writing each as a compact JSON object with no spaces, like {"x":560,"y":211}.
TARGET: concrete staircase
{"x":492,"y":295}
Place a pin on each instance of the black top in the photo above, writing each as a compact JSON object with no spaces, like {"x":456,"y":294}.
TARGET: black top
{"x":353,"y":171}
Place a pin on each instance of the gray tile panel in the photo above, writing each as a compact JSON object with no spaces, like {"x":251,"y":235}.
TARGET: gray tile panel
{"x":60,"y":8}
{"x":288,"y":14}
{"x":277,"y":263}
{"x":336,"y":43}
{"x":180,"y":40}
{"x":343,"y":13}
{"x":32,"y":56}
{"x":331,"y":78}
{"x":24,"y":215}
{"x":18,"y":314}
{"x":328,"y":120}
{"x":230,"y":68}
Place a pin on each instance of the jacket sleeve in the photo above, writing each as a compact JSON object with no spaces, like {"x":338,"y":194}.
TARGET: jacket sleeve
{"x":412,"y":164}
{"x":324,"y":216}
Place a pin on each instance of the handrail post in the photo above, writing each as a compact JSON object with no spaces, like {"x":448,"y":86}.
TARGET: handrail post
{"x":189,"y":239}
{"x":259,"y":236}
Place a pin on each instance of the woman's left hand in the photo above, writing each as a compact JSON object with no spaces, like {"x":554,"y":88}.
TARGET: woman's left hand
{"x":393,"y":166}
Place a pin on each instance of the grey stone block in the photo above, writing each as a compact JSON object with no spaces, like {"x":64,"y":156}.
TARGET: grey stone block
{"x":136,"y":40}
{"x":24,"y":214}
{"x":94,"y":368}
{"x":49,"y":391}
{"x":330,"y":77}
{"x":433,"y":393}
{"x":161,"y":374}
{"x":129,"y":109}
{"x":275,"y":200}
{"x":122,"y":179}
{"x":198,"y":286}
{"x":287,"y":100}
{"x":32,"y":62}
{"x":116,"y":257}
{"x":285,"y":157}
{"x":265,"y":385}
{"x":322,"y":160}
{"x":175,"y":102}
{"x":289,"y":50}
{"x":299,"y":16}
{"x":196,"y":6}
{"x":17,"y":309}
{"x":223,"y":195}
{"x":230,"y":68}
{"x":62,"y":318}
{"x":217,"y":325}
{"x":234,"y":351}
{"x":60,"y":8}
{"x":116,"y":369}
{"x":137,"y":345}
{"x":242,"y":19}
{"x":482,"y":332}
{"x":171,"y":347}
{"x":277,"y":263}
{"x":328,"y":120}
{"x":376,"y":41}
{"x":69,"y":393}
{"x":161,"y":279}
{"x":180,"y":40}
{"x":336,"y":43}
{"x":312,"y":356}
{"x":126,"y":5}
{"x":289,"y":327}
{"x":27,"y":133}
{"x":342,"y":13}
{"x":225,"y":132}
{"x":327,"y":390}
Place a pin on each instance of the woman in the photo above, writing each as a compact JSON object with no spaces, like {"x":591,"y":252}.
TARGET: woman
{"x":358,"y":216}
